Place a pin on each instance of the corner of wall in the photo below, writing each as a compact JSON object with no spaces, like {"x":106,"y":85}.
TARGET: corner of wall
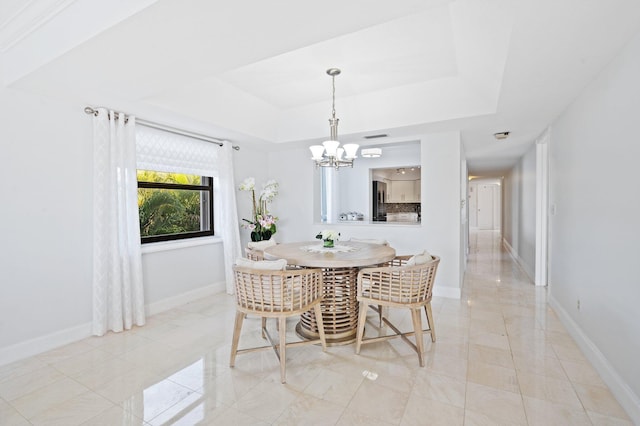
{"x":181,"y":299}
{"x":518,"y":260}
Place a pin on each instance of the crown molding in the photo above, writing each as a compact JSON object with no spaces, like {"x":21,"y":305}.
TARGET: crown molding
{"x":27,"y":19}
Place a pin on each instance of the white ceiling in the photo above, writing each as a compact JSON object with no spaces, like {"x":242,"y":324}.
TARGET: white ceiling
{"x":254,"y":71}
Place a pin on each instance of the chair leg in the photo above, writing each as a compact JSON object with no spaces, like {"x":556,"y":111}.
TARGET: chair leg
{"x":362,"y":318}
{"x":380,"y":314}
{"x":236,"y":337}
{"x":417,"y":327}
{"x":264,"y":326}
{"x":432,"y":326}
{"x":282,"y":330}
{"x":318,"y":311}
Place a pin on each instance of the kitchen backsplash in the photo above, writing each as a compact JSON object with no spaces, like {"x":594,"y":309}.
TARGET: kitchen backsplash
{"x":402,"y":207}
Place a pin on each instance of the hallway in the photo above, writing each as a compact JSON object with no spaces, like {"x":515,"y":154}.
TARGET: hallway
{"x":522,"y":364}
{"x":501,"y":358}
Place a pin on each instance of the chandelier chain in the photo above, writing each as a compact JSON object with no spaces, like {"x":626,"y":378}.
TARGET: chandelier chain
{"x":333,"y":96}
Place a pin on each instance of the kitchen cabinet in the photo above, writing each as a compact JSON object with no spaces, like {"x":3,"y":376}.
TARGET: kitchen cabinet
{"x":402,"y":217}
{"x":404,"y":191}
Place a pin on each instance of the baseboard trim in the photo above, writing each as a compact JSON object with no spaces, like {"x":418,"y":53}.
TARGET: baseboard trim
{"x":517,"y":259}
{"x":448,"y":292}
{"x":175,"y":301}
{"x":44,"y":343}
{"x":623,"y":393}
{"x":59,"y":338}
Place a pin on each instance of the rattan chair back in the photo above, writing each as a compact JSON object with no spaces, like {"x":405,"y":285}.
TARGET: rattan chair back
{"x":398,"y":285}
{"x":276,"y":294}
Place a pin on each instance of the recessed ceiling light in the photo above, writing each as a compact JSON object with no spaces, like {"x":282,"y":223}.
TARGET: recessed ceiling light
{"x":501,"y":135}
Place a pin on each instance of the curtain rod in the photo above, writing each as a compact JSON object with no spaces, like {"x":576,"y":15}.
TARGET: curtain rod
{"x":142,"y":122}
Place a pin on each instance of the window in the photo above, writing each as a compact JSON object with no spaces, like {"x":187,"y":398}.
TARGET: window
{"x":174,"y":206}
{"x":175,"y":185}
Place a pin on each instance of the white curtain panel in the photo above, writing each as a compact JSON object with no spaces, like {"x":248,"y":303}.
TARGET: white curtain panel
{"x":227,"y":213}
{"x":118,"y":300}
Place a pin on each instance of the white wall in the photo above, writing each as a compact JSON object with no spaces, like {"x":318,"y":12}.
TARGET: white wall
{"x":519,"y":217}
{"x":595,"y":232}
{"x":439,"y":231}
{"x":527,"y":224}
{"x":170,"y":275}
{"x":46,"y":230}
{"x":45,"y":217}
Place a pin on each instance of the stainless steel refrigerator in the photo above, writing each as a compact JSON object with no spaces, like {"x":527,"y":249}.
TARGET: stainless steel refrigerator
{"x":379,"y":212}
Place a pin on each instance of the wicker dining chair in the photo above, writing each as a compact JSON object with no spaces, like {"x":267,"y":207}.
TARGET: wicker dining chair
{"x":255,"y":249}
{"x":398,"y":285}
{"x":254,"y":254}
{"x":276,"y":294}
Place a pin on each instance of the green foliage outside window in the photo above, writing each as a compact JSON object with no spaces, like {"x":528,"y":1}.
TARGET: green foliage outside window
{"x":171,"y":207}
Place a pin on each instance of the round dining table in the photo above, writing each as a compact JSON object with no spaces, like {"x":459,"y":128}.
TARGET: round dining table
{"x":340,"y":266}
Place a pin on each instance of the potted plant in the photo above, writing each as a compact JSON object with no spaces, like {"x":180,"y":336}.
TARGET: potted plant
{"x":329,"y":236}
{"x":262,"y":224}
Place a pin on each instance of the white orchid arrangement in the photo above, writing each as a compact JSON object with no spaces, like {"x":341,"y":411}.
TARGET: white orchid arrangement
{"x":263,"y":224}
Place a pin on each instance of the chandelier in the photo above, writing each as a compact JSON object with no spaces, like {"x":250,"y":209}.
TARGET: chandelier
{"x":330,"y":154}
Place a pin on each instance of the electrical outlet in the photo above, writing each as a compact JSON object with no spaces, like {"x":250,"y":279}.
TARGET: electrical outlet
{"x":578,"y":304}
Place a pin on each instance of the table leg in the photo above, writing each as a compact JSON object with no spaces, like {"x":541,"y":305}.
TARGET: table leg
{"x":339,"y":308}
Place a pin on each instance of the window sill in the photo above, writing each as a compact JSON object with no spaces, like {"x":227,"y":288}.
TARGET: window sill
{"x":179,"y":244}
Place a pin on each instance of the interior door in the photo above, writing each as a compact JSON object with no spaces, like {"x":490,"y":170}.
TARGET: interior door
{"x":486,"y":206}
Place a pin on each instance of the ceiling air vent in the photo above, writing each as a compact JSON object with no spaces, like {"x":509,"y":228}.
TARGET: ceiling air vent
{"x":381,"y":135}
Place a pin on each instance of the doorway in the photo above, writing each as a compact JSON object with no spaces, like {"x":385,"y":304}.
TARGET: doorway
{"x":485,"y":205}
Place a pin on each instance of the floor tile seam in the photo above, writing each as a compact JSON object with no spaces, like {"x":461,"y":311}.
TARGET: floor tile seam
{"x":83,"y":393}
{"x":417,"y":394}
{"x":604,"y":388}
{"x":12,"y":407}
{"x":39,"y":387}
{"x":577,"y":395}
{"x":355,"y":392}
{"x":128,"y":349}
{"x":43,"y":356}
{"x":626,"y":419}
{"x":279,"y":414}
{"x":20,"y":415}
{"x":7,"y":379}
{"x":193,"y":404}
{"x":404,"y":409}
{"x":570,"y":408}
{"x":143,"y":422}
{"x":232,"y":407}
{"x":466,"y":391}
{"x":304,"y":395}
{"x":79,"y":372}
{"x":519,"y":392}
{"x":101,"y":411}
{"x":118,"y":403}
{"x":584,"y":383}
{"x":87,"y":389}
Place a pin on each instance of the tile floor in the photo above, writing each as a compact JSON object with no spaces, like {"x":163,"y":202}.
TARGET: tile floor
{"x":502,"y":358}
